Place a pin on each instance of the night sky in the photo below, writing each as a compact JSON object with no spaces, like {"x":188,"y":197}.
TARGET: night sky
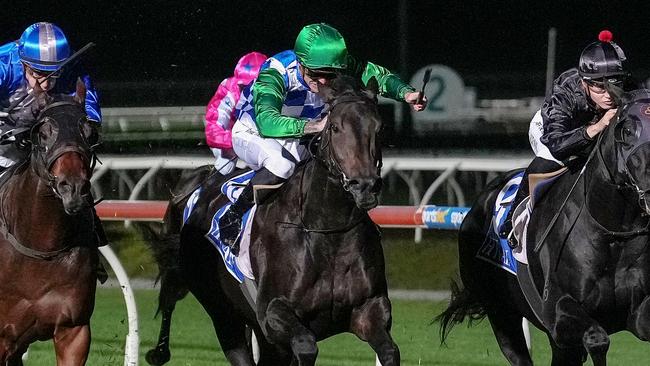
{"x":202,"y":40}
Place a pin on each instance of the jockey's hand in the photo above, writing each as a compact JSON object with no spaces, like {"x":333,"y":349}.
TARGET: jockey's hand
{"x":595,"y":129}
{"x":412,"y":99}
{"x":315,"y":126}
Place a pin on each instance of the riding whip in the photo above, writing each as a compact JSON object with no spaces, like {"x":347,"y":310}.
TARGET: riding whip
{"x":425,"y":80}
{"x":58,"y":69}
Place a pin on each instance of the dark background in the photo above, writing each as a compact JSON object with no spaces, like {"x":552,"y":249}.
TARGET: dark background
{"x":189,"y":46}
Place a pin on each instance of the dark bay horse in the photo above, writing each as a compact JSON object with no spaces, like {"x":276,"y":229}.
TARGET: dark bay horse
{"x":316,"y":255}
{"x":592,"y":266}
{"x":48,"y":253}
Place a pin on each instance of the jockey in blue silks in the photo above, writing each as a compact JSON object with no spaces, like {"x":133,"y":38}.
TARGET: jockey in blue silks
{"x":41,"y":49}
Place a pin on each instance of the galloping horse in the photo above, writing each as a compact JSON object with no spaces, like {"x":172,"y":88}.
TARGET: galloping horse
{"x":315,"y":253}
{"x":48,"y":253}
{"x":588,"y":256}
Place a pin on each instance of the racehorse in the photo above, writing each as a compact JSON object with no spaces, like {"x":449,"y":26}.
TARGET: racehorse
{"x":48,"y":249}
{"x":165,"y":244}
{"x":315,"y":253}
{"x":587,"y":250}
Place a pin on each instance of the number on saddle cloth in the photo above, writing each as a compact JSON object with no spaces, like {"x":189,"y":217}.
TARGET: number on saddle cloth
{"x":494,"y":249}
{"x":239,"y":267}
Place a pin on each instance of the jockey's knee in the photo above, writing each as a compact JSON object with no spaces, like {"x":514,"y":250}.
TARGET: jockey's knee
{"x":280,"y":167}
{"x":540,"y":165}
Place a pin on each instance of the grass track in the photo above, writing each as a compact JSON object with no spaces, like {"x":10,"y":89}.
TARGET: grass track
{"x":194,"y":343}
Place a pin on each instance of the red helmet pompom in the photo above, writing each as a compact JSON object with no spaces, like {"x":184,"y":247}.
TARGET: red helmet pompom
{"x":605,"y":36}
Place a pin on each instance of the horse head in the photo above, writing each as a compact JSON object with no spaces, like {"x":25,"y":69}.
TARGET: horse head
{"x":627,"y":143}
{"x":350,"y":145}
{"x":62,"y":143}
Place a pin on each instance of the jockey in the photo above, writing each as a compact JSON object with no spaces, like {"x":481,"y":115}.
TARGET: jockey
{"x":282,"y":105}
{"x":580,"y":106}
{"x":40,"y":50}
{"x":220,"y":112}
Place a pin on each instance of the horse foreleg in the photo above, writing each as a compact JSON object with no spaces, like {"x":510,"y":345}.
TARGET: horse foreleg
{"x":72,"y":345}
{"x":639,"y":321}
{"x":572,"y":327}
{"x":371,"y":322}
{"x":282,"y":326}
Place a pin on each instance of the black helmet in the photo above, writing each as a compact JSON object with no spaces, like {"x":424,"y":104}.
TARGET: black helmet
{"x":602,"y":60}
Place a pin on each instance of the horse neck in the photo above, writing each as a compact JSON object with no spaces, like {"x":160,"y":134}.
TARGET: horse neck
{"x":324,"y":202}
{"x":33,"y":214}
{"x":614,"y":207}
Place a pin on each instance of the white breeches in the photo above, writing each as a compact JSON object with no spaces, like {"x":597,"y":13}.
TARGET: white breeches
{"x":535,"y":132}
{"x":226,"y":160}
{"x":279,"y":156}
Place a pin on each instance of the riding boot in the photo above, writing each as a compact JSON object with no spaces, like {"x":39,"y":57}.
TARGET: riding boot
{"x":230,"y":222}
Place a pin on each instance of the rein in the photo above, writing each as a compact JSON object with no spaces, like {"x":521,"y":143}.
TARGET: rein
{"x":333,"y":167}
{"x":597,"y":151}
{"x":42,"y":172}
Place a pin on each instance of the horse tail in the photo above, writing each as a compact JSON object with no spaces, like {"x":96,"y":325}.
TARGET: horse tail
{"x":463,"y":304}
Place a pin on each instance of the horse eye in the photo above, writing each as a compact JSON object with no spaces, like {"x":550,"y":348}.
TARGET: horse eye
{"x":335,"y":128}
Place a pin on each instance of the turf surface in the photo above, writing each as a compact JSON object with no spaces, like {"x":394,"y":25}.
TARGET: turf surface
{"x":194,"y":343}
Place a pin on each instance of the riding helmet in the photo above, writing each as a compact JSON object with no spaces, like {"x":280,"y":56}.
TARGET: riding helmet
{"x":43,"y":46}
{"x":248,"y":67}
{"x":321,"y":46}
{"x":602,"y":59}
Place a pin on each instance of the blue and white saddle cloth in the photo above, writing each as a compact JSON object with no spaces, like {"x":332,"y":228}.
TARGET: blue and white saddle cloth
{"x":238,"y":266}
{"x":496,"y":250}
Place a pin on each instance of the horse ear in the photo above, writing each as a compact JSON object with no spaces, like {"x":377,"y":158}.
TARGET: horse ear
{"x":80,"y":94}
{"x":372,"y":87}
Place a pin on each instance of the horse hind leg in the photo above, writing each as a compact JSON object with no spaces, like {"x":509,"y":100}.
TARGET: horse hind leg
{"x":371,"y":322}
{"x":172,"y":289}
{"x":282,"y":326}
{"x":509,"y":333}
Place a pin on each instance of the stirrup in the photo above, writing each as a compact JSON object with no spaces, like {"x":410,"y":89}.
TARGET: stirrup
{"x":506,"y":229}
{"x":512,"y":240}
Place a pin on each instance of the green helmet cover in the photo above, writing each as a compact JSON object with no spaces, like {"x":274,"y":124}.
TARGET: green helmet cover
{"x":321,"y":46}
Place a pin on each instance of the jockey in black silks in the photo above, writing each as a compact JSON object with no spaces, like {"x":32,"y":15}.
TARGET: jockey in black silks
{"x":41,"y":56}
{"x":580,"y":106}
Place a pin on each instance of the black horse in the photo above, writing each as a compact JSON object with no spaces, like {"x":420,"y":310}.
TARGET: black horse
{"x":590,"y":262}
{"x":165,"y":244}
{"x":316,"y":255}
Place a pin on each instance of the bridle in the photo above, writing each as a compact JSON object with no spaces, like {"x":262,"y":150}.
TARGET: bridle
{"x":45,"y":156}
{"x":325,"y":149}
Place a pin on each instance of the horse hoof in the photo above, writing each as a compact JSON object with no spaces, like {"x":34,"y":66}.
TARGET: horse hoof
{"x":157,"y":357}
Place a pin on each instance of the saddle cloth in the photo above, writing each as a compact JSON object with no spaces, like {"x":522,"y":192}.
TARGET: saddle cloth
{"x":238,"y":266}
{"x":494,"y":249}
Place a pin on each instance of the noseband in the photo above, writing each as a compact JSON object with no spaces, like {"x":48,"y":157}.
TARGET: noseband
{"x":46,"y":156}
{"x":326,"y":149}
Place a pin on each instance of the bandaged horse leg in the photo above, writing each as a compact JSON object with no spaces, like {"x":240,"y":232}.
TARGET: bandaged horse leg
{"x":371,"y":322}
{"x":230,"y":222}
{"x":282,"y":326}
